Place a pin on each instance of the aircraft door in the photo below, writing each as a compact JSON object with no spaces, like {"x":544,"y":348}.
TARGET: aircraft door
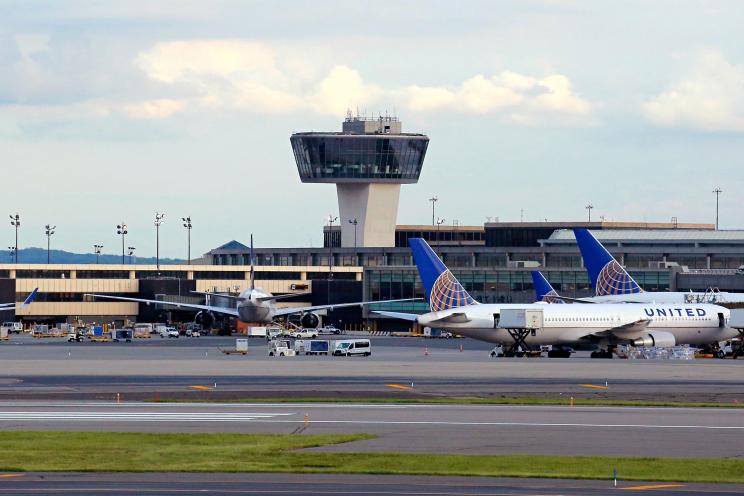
{"x":721,"y":320}
{"x":496,"y":318}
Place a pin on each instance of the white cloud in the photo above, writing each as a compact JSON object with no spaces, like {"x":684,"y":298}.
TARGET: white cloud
{"x":244,"y":75}
{"x":710,"y":98}
{"x":153,"y":109}
{"x":522,"y":99}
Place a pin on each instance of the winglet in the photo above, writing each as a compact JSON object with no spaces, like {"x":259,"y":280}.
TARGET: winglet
{"x":443,"y":290}
{"x":31,"y":297}
{"x":607,"y":275}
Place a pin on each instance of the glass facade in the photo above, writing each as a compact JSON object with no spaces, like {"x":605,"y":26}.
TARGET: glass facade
{"x":378,"y":158}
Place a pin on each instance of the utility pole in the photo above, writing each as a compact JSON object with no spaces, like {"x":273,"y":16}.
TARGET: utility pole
{"x":97,"y":250}
{"x":717,"y":192}
{"x":187,"y":225}
{"x":15,"y":221}
{"x":354,"y":222}
{"x":121,"y":229}
{"x":589,"y":208}
{"x":158,"y":222}
{"x":49,"y":230}
{"x":433,"y":201}
{"x":131,"y":253}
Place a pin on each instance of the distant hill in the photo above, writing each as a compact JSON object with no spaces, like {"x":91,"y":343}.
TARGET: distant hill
{"x":39,"y":255}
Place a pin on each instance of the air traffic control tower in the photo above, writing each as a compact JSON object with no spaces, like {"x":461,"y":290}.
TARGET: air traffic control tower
{"x":367,"y":161}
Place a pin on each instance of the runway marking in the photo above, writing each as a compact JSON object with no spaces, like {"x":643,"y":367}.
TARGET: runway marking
{"x":8,"y":476}
{"x":656,"y":486}
{"x":399,"y":386}
{"x":201,"y":388}
{"x":593,"y":386}
{"x":270,"y":417}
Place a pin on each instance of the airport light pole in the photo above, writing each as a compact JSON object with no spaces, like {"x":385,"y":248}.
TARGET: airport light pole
{"x":354,"y":222}
{"x":97,"y":250}
{"x":717,"y":192}
{"x":49,"y":230}
{"x":131,"y":253}
{"x":158,"y":222}
{"x":15,"y":221}
{"x":11,"y":251}
{"x":589,"y":208}
{"x":187,"y":225}
{"x":439,"y":223}
{"x":121,"y":230}
{"x":433,"y":201}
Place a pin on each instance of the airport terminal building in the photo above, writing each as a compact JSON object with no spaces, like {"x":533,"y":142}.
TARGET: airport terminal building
{"x":366,"y":256}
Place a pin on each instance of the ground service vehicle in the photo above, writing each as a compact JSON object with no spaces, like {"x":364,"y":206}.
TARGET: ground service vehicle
{"x":280,"y":347}
{"x":304,"y":334}
{"x":352,"y":347}
{"x":312,"y":347}
{"x":13,"y":327}
{"x":168,"y":332}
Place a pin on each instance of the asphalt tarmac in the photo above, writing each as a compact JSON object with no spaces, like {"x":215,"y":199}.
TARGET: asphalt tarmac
{"x":462,"y":429}
{"x":98,"y":484}
{"x":156,"y":369}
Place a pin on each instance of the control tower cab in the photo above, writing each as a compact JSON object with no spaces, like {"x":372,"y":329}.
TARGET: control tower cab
{"x":367,"y":161}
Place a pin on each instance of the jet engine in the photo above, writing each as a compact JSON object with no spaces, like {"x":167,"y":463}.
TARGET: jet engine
{"x":310,"y":321}
{"x":204,"y":319}
{"x":656,"y":338}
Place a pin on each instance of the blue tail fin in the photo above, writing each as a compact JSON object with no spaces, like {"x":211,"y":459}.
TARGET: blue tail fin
{"x":31,"y":297}
{"x":543,"y":290}
{"x":608,"y":277}
{"x":443,"y":290}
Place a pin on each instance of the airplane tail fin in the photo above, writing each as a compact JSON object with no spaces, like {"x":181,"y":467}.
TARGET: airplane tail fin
{"x":31,"y":297}
{"x":253,"y":262}
{"x":607,"y":275}
{"x":443,"y":290}
{"x":544,"y":291}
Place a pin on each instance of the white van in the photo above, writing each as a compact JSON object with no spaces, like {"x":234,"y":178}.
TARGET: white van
{"x":15,"y":327}
{"x":350,"y":347}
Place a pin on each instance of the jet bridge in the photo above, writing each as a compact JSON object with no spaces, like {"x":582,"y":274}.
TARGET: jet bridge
{"x":520,"y":323}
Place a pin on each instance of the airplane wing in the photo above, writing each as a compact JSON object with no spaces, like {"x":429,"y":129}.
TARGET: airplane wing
{"x":411,"y":317}
{"x":453,"y":318}
{"x":284,"y":296}
{"x":293,"y":310}
{"x":572,"y":300}
{"x":227,"y":311}
{"x":625,"y":329}
{"x":221,"y":295}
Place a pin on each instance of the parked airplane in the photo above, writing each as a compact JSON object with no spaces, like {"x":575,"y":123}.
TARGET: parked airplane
{"x":4,"y":307}
{"x":613,"y":284}
{"x":253,"y":305}
{"x":606,"y":325}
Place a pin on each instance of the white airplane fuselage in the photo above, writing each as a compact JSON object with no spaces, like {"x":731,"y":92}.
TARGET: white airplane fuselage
{"x":666,"y":297}
{"x":251,"y":308}
{"x":568,"y":324}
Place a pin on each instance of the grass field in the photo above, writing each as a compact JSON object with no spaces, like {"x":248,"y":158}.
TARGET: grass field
{"x":525,"y":400}
{"x":139,"y":452}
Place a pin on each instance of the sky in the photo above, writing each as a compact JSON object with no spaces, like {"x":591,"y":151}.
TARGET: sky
{"x":113,"y":111}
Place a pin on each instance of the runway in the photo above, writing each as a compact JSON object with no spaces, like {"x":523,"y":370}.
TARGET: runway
{"x":463,"y":429}
{"x":98,"y":484}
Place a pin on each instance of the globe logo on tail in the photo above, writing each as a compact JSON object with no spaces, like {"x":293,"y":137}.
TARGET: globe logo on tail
{"x":613,"y":280}
{"x":552,"y":297}
{"x":448,"y":293}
